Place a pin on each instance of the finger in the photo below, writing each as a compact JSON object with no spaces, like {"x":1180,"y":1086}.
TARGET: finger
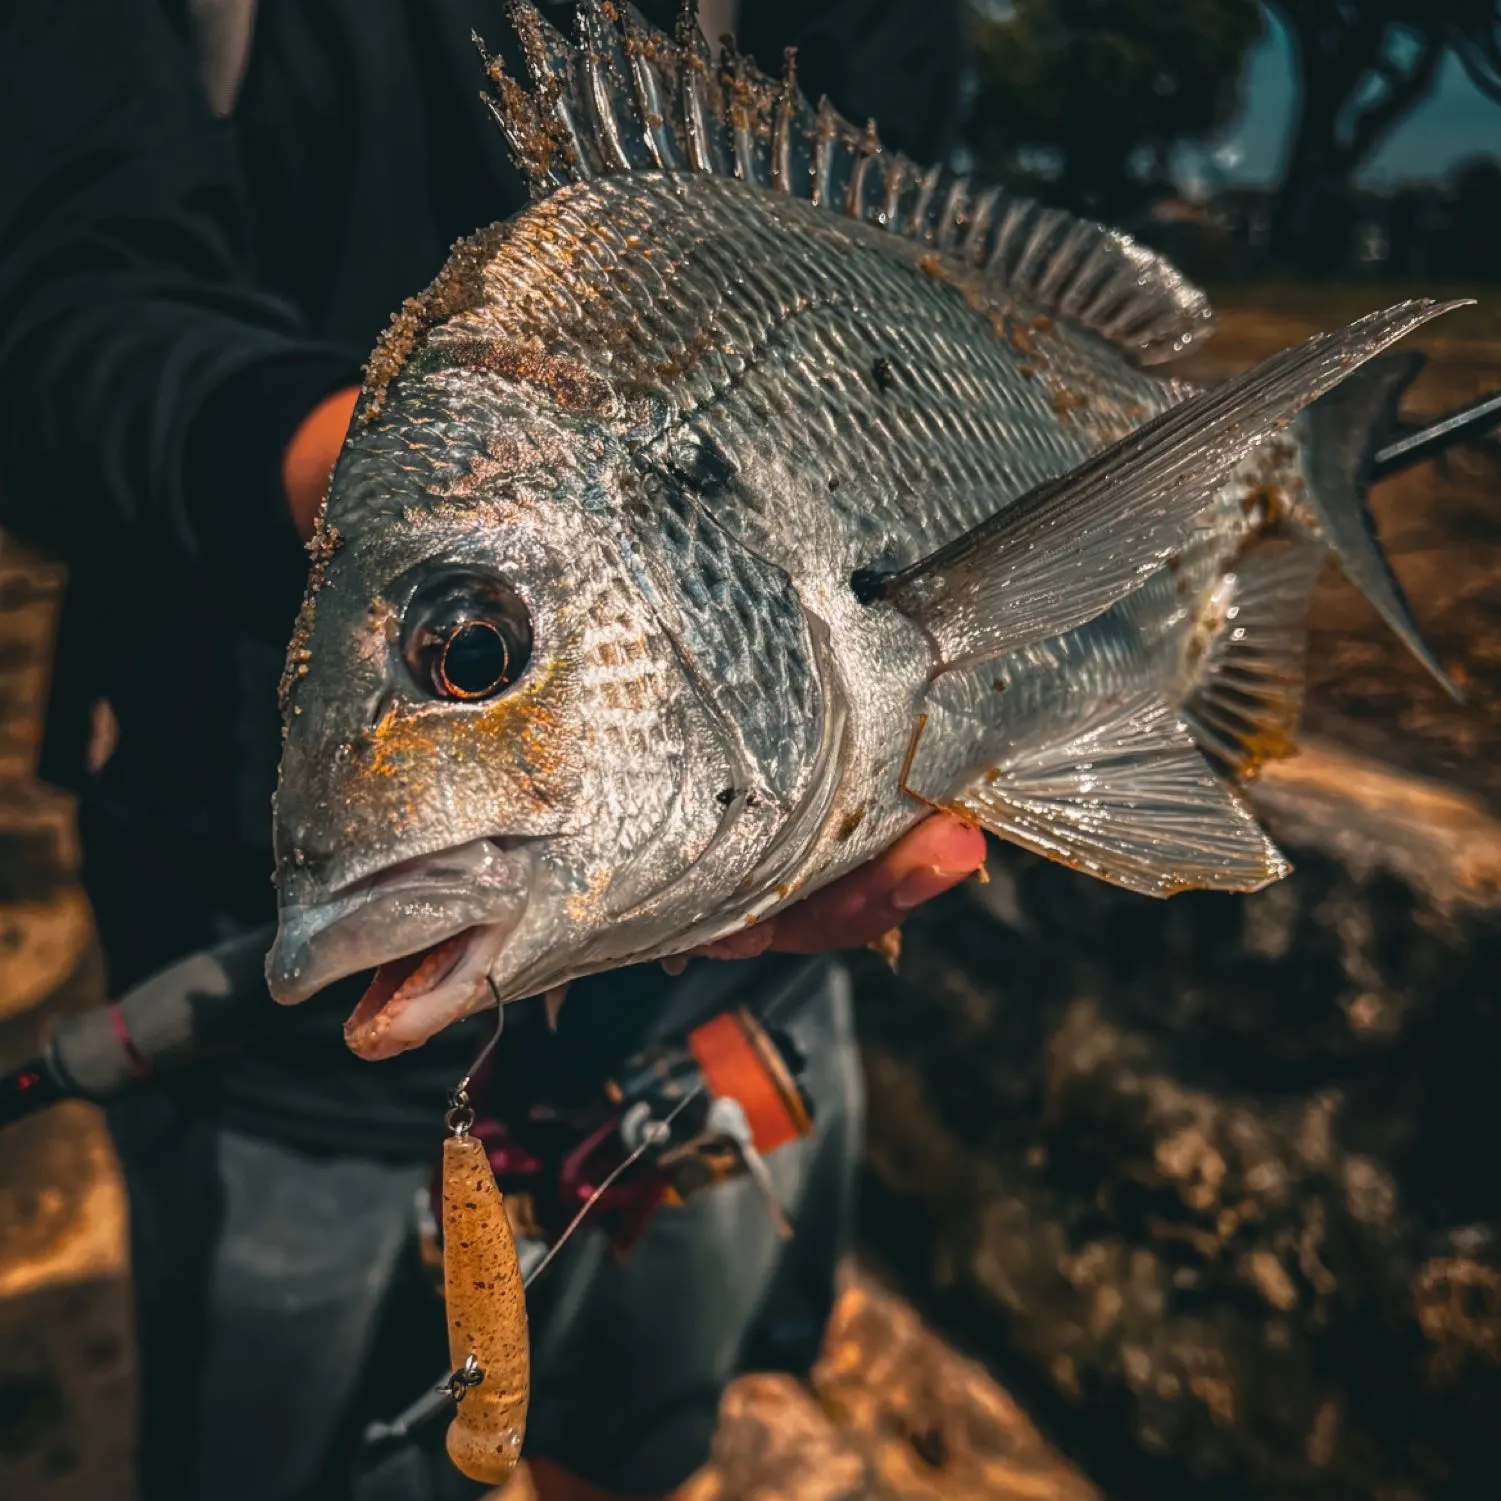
{"x":746,"y":944}
{"x":928,"y":860}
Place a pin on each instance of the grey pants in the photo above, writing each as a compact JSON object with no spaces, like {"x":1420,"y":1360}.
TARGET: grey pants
{"x":630,"y":1356}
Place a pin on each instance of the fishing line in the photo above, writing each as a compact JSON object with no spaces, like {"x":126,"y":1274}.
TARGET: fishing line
{"x":653,"y":1134}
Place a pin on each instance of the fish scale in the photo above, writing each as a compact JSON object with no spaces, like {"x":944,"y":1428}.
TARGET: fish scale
{"x":807,"y":491}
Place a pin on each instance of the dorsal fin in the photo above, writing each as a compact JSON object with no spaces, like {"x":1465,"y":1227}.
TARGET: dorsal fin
{"x":626,"y":98}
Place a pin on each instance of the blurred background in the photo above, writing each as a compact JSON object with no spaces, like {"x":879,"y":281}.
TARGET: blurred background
{"x":1209,"y":1204}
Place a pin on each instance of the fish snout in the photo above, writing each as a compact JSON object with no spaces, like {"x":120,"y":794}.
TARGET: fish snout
{"x":393,"y":912}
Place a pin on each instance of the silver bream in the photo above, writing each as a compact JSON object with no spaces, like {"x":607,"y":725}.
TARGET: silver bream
{"x":753,"y":493}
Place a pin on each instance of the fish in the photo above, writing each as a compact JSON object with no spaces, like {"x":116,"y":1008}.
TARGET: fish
{"x":751,"y":494}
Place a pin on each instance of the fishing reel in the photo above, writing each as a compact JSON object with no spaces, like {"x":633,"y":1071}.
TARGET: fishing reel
{"x":744,"y":1083}
{"x":687,"y":1115}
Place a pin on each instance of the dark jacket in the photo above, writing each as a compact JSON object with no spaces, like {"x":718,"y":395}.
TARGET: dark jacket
{"x":198,"y":241}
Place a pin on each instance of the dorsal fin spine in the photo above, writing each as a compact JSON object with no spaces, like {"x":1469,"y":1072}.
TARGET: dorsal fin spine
{"x":951,"y":217}
{"x":927,"y":186}
{"x":826,"y":134}
{"x":739,"y":80}
{"x":868,"y":156}
{"x":898,"y":177}
{"x":612,"y":90}
{"x":1093,"y":266}
{"x":1006,"y":232}
{"x":1057,"y":274}
{"x":649,"y":101}
{"x":788,"y":102}
{"x":1042,"y":230}
{"x":617,"y":159}
{"x":548,"y":60}
{"x":510,"y":104}
{"x":699,"y":90}
{"x":628,"y":99}
{"x":696,"y":113}
{"x":972,"y":247}
{"x":745,"y":156}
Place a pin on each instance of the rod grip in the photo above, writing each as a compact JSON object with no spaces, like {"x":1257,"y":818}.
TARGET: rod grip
{"x":201,"y":1006}
{"x":28,"y":1089}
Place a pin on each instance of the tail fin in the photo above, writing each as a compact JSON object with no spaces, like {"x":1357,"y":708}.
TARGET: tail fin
{"x":1345,"y":428}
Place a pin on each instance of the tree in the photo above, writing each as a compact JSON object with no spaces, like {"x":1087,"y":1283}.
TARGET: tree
{"x":1362,"y":66}
{"x":1084,"y":100}
{"x":1478,"y":46}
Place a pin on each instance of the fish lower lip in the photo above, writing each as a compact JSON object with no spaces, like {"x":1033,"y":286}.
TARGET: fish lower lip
{"x":405,"y":910}
{"x":413,"y":997}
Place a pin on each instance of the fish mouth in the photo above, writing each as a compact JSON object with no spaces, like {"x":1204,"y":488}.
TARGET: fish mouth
{"x":413,"y":997}
{"x":432,"y":928}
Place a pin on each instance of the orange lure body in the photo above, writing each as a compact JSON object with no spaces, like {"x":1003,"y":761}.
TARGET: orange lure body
{"x":486,"y":1305}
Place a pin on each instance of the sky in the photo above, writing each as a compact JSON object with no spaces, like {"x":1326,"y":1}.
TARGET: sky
{"x":1456,"y":121}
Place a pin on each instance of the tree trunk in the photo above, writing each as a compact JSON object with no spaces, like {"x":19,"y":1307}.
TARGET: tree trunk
{"x":1310,"y":221}
{"x":1311,"y":181}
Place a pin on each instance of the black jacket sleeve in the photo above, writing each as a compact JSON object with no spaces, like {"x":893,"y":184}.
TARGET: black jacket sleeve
{"x":148,"y":386}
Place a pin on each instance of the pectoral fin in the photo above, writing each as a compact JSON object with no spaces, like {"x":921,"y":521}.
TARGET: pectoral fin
{"x":1066,"y":551}
{"x":1128,"y":798}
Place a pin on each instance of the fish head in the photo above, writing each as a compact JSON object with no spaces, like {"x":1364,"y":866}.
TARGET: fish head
{"x":489,"y":737}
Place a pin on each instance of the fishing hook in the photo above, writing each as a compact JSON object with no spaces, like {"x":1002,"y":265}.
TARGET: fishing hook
{"x":460,"y":1117}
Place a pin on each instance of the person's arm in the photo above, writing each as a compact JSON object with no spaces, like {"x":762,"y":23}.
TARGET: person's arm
{"x":150,"y":390}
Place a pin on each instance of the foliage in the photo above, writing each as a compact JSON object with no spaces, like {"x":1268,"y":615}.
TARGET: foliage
{"x":1090,"y":96}
{"x":1362,"y":66}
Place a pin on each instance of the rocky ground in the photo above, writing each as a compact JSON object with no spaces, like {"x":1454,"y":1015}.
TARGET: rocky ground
{"x":65,"y":1332}
{"x":1209,"y":1186}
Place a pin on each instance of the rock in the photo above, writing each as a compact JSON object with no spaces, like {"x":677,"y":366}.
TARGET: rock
{"x":38,"y":841}
{"x":67,"y":1400}
{"x":43,"y":946}
{"x":891,"y":1414}
{"x":30,"y":595}
{"x":66,"y":1358}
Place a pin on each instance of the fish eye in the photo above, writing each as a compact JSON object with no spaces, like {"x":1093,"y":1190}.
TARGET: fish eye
{"x":467,"y":636}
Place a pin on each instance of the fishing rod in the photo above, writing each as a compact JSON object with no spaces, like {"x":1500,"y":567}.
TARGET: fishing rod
{"x":203,"y":1007}
{"x":1463,"y":425}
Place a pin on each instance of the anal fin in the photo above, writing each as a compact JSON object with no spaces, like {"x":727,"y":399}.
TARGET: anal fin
{"x":1130,"y":799}
{"x":1246,"y":658}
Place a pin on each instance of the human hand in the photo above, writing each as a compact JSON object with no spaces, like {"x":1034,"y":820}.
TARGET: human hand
{"x":308,"y":464}
{"x":860,"y":907}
